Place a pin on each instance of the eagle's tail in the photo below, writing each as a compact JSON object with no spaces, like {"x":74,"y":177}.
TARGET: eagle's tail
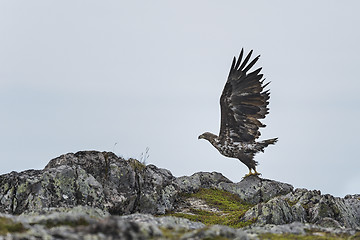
{"x":260,"y":146}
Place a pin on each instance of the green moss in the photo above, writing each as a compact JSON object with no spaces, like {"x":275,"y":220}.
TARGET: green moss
{"x":78,"y":222}
{"x":305,"y":206}
{"x":173,"y":233}
{"x":291,"y":203}
{"x":216,"y":238}
{"x":222,"y":200}
{"x":231,"y":207}
{"x":136,"y":165}
{"x":323,"y":236}
{"x":8,"y":226}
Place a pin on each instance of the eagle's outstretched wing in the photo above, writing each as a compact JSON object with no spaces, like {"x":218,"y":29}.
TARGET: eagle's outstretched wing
{"x":243,"y":101}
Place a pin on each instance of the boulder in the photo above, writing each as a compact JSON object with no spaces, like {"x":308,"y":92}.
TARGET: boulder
{"x":89,"y":178}
{"x":298,"y":228}
{"x":191,"y":184}
{"x":307,"y":206}
{"x":254,"y":189}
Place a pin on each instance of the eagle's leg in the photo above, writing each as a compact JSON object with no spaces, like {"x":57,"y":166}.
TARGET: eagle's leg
{"x":252,"y":173}
{"x":249,"y":174}
{"x":256,"y":173}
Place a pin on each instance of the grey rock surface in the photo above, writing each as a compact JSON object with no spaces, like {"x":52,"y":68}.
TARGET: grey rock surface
{"x":166,"y":221}
{"x":254,"y":190}
{"x":89,"y":178}
{"x":76,"y":225}
{"x":216,"y":232}
{"x":108,"y":196}
{"x":190,"y":184}
{"x":309,"y":207}
{"x":296,"y":228}
{"x":103,"y":180}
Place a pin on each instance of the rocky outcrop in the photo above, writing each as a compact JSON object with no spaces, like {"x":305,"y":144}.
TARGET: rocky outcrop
{"x":306,"y":206}
{"x":99,"y":192}
{"x":251,"y":189}
{"x":103,"y":180}
{"x":97,"y":179}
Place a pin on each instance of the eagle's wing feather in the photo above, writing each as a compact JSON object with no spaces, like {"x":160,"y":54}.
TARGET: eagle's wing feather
{"x":243,"y":101}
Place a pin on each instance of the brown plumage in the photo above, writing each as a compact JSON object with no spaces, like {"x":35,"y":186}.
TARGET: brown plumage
{"x":243,"y":102}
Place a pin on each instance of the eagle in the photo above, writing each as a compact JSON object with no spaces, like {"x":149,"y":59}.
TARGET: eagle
{"x":243,"y":102}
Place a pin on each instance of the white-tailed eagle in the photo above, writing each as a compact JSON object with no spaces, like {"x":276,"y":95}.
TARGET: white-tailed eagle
{"x":243,"y":102}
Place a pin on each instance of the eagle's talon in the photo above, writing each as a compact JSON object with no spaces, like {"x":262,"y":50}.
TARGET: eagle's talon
{"x":256,"y":173}
{"x":247,"y":175}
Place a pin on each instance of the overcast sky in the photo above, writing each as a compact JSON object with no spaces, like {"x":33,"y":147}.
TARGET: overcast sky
{"x":84,"y":75}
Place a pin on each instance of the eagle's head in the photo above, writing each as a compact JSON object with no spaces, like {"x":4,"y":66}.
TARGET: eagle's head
{"x":207,"y":135}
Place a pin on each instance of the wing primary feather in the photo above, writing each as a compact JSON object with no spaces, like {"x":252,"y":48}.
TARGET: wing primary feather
{"x":266,"y":84}
{"x":232,"y":66}
{"x":239,"y":58}
{"x":256,"y":72}
{"x":251,"y":64}
{"x":246,"y":60}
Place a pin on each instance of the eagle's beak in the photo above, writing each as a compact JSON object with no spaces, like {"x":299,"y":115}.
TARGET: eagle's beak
{"x":200,"y":137}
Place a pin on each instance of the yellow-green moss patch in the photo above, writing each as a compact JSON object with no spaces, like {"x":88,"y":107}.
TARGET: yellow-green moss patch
{"x":136,"y":165}
{"x":291,"y":203}
{"x":75,"y":223}
{"x":8,"y":226}
{"x":173,"y":233}
{"x":231,"y":208}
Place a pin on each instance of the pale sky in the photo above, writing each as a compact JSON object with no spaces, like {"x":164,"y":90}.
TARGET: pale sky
{"x":84,"y":75}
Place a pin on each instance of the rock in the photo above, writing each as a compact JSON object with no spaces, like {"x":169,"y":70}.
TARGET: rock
{"x":216,"y":232}
{"x":254,"y":190}
{"x":103,"y":180}
{"x":276,"y":211}
{"x":200,"y":180}
{"x":353,"y":203}
{"x":89,"y":178}
{"x":166,"y":222}
{"x":98,"y":195}
{"x":117,"y":228}
{"x":307,"y":206}
{"x":95,"y":213}
{"x":77,"y":225}
{"x":298,"y":228}
{"x":81,"y":226}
